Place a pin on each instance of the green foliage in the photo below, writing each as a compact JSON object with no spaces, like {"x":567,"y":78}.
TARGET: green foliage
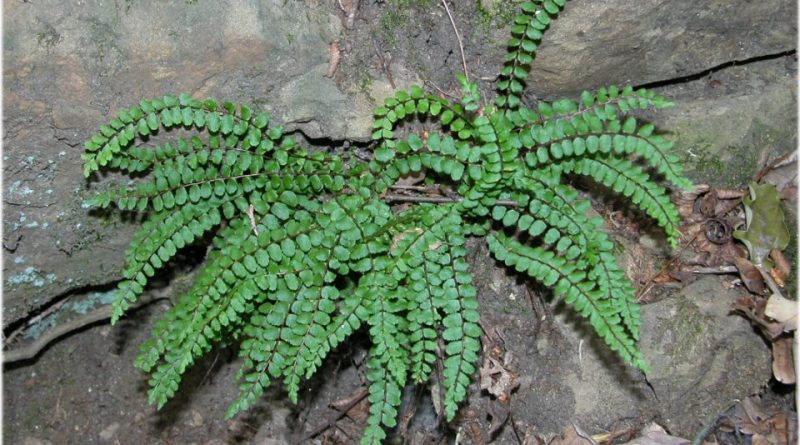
{"x":306,"y":251}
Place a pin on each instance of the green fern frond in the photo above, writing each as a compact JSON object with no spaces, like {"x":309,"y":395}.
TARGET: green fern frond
{"x":578,"y":291}
{"x":631,"y":181}
{"x":526,"y":33}
{"x":305,"y":251}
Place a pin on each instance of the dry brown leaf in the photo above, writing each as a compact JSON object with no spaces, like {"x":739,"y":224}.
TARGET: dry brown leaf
{"x":499,"y":411}
{"x":713,"y":254}
{"x":684,"y":200}
{"x":765,"y":423}
{"x":335,"y":56}
{"x":358,"y":412}
{"x":751,"y":414}
{"x":777,"y":277}
{"x":612,"y":436}
{"x":410,"y":179}
{"x":750,"y":275}
{"x":437,"y":401}
{"x":779,"y":434}
{"x":708,"y":204}
{"x":573,"y":435}
{"x":497,"y":379}
{"x":729,"y":193}
{"x":531,"y":438}
{"x":471,"y":432}
{"x":783,"y":361}
{"x":782,"y":269}
{"x":402,"y":235}
{"x":753,"y":308}
{"x":654,"y":434}
{"x":783,"y":311}
{"x":789,"y":193}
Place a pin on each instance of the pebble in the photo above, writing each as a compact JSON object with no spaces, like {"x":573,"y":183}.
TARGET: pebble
{"x":109,"y":431}
{"x":197,"y":419}
{"x":34,"y":441}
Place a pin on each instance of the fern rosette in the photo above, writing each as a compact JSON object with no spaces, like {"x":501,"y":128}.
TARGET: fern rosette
{"x":307,"y":249}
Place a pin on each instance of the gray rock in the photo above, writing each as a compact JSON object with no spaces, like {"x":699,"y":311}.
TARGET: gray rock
{"x":69,"y":67}
{"x":594,"y":44}
{"x":728,"y":124}
{"x":703,"y":358}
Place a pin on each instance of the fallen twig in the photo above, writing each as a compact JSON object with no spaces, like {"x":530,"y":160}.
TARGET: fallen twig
{"x":444,"y":93}
{"x":32,"y":350}
{"x":779,"y":162}
{"x":707,"y":428}
{"x":768,"y":279}
{"x":440,"y":199}
{"x":651,"y":281}
{"x":384,"y":64}
{"x":34,"y":320}
{"x":335,"y":57}
{"x":713,"y":270}
{"x":363,"y":393}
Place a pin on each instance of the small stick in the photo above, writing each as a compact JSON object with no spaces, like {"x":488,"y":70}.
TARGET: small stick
{"x":335,"y":57}
{"x":651,"y":282}
{"x":779,"y":162}
{"x":770,"y":282}
{"x":458,"y":36}
{"x":440,"y":199}
{"x":713,"y":270}
{"x":384,"y":65}
{"x":445,"y":93}
{"x":707,"y":428}
{"x":419,"y":188}
{"x":32,"y":350}
{"x":210,"y":368}
{"x":34,"y":320}
{"x":363,"y":393}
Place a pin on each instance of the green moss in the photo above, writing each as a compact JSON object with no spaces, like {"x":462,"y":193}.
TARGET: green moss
{"x":48,"y":37}
{"x":105,"y":48}
{"x":732,"y":166}
{"x":689,"y":328}
{"x":496,"y":14}
{"x":398,"y":15}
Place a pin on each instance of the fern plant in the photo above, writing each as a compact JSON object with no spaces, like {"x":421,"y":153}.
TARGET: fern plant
{"x":307,"y":249}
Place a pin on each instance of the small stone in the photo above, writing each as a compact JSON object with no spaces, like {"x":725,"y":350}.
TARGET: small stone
{"x":197,"y":419}
{"x":109,"y":431}
{"x":648,"y":242}
{"x":35,"y":441}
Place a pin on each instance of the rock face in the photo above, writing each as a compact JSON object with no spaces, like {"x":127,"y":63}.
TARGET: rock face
{"x":69,"y":67}
{"x":618,"y":41}
{"x":727,"y":124}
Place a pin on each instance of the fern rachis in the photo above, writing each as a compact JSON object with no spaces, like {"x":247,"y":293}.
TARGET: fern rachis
{"x":290,"y":226}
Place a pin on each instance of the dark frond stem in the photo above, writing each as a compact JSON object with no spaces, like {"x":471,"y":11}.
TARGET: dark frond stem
{"x":458,"y":37}
{"x":440,"y":199}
